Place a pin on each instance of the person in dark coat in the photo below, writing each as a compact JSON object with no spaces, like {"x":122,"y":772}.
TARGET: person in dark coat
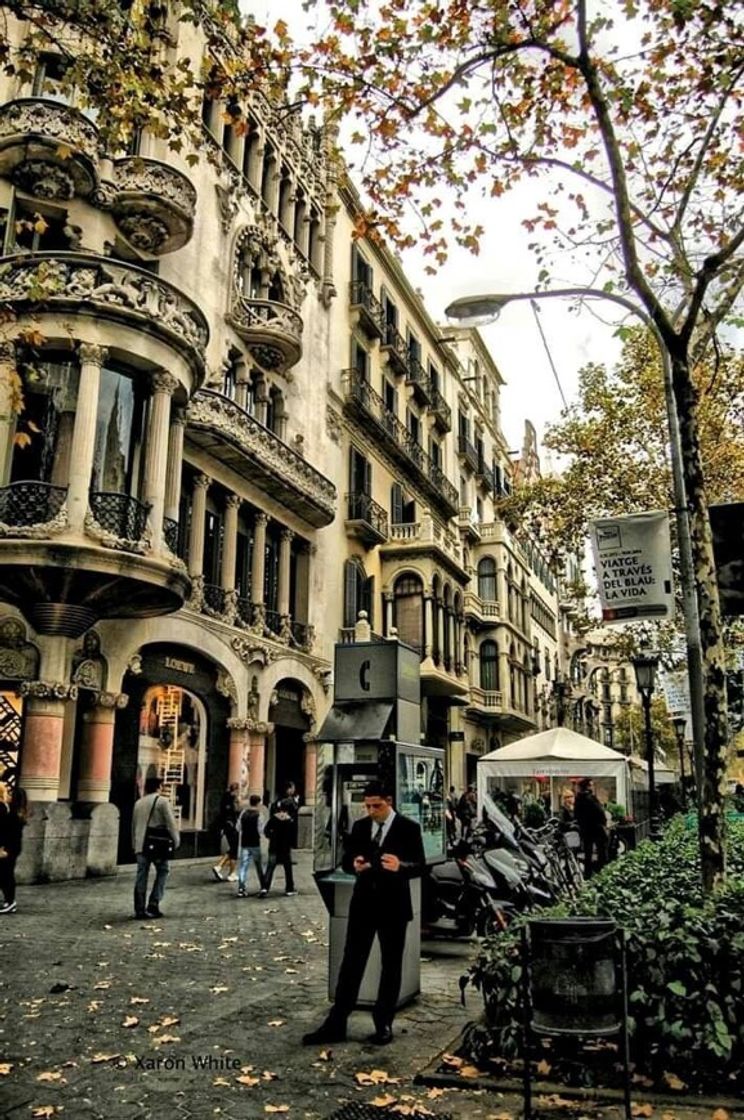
{"x":384,"y":851}
{"x":592,"y":823}
{"x":280,"y":831}
{"x":227,"y":819}
{"x":12,"y":821}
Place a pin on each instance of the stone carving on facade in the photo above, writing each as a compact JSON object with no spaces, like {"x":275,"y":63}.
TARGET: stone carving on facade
{"x":134,"y":664}
{"x":89,"y":674}
{"x":226,"y":686}
{"x":19,"y":658}
{"x":144,"y":231}
{"x":307,"y":707}
{"x":61,"y":126}
{"x":104,"y":196}
{"x":41,"y":532}
{"x":274,"y":698}
{"x":196,"y":599}
{"x":116,"y":700}
{"x":258,"y":727}
{"x":227,"y":204}
{"x":107,"y":539}
{"x":107,"y":284}
{"x":89,"y":668}
{"x":285,"y":629}
{"x":249,"y":650}
{"x":48,"y":690}
{"x":135,"y":175}
{"x":253,"y":699}
{"x":334,"y":425}
{"x":45,"y":179}
{"x":325,"y":676}
{"x":217,"y":412}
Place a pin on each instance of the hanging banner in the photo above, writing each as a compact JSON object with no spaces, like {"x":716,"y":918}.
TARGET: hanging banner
{"x":633,"y":565}
{"x":676,"y":689}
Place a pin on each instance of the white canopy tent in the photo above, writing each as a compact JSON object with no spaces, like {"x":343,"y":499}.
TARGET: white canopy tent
{"x":558,"y":755}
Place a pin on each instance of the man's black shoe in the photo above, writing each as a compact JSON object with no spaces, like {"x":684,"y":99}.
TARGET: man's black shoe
{"x":142,"y":915}
{"x":326,"y":1032}
{"x":383,"y":1036}
{"x":154,"y":912}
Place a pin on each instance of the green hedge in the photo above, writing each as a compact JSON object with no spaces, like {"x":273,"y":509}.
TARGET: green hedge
{"x":685,"y":962}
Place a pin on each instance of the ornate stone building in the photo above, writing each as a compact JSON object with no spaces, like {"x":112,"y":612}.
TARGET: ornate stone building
{"x":226,"y":429}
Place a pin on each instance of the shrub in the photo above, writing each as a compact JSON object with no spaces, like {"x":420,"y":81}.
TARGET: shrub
{"x":685,"y":961}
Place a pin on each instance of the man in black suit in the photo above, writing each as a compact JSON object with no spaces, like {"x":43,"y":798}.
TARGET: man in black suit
{"x":384,"y":851}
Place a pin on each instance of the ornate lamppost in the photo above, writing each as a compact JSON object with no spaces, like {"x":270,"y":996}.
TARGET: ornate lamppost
{"x":645,"y":665}
{"x":680,"y":723}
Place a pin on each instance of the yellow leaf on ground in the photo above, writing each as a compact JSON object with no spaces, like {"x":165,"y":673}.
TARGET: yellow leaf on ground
{"x":325,"y":1055}
{"x":451,"y":1060}
{"x":642,"y":1110}
{"x":47,"y":1110}
{"x":220,"y":1081}
{"x":169,"y":1021}
{"x":268,"y":1075}
{"x":720,"y":1114}
{"x":103,"y":1058}
{"x":276,"y":1022}
{"x":469,"y":1071}
{"x":383,"y":1101}
{"x":276,"y":1108}
{"x":161,"y":1038}
{"x":246,"y":1079}
{"x":219,"y":988}
{"x":668,"y":1116}
{"x":434,"y":1093}
{"x":101,"y":985}
{"x":674,"y":1082}
{"x":500,"y":1116}
{"x":130,"y":1021}
{"x":375,"y":1077}
{"x":50,"y":1075}
{"x":543,"y":1067}
{"x":5,"y":1068}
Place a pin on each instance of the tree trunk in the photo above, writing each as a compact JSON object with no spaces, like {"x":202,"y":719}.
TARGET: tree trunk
{"x":711,"y":816}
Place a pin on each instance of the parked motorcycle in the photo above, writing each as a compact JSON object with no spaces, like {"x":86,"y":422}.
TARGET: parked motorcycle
{"x":462,"y":897}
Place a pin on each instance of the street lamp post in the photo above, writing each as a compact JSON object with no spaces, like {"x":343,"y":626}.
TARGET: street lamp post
{"x":481,"y":309}
{"x":680,"y":724}
{"x":645,"y":665}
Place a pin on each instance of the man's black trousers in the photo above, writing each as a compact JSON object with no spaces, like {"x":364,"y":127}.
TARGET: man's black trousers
{"x":359,"y":937}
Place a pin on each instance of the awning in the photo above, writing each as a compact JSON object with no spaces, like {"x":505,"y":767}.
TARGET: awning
{"x":347,"y":722}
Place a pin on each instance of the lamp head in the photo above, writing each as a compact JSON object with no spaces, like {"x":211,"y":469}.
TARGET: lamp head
{"x":477,"y":311}
{"x":645,"y":665}
{"x":679,"y":723}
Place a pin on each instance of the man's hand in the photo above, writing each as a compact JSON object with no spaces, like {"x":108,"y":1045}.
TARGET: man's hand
{"x":3,"y":853}
{"x":389,"y":862}
{"x":361,"y":864}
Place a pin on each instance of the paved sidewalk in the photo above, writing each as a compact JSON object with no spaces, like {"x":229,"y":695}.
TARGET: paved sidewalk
{"x":105,"y":1016}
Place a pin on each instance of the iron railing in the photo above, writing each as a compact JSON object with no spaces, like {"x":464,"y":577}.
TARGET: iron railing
{"x":360,"y":507}
{"x":245,"y":610}
{"x":170,"y":533}
{"x":214,"y":598}
{"x":361,"y":296}
{"x":273,"y":621}
{"x":361,"y":393}
{"x":30,"y":503}
{"x":418,"y":378}
{"x":301,"y":634}
{"x":441,"y":410}
{"x":395,"y":345}
{"x":468,"y":452}
{"x":120,"y":514}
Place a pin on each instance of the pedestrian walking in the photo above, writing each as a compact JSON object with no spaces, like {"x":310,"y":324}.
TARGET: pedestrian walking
{"x":467,"y":811}
{"x":250,"y":829}
{"x":153,"y":824}
{"x":227,"y":819}
{"x":12,"y":822}
{"x":385,"y":851}
{"x":450,"y":816}
{"x":280,"y":832}
{"x":291,"y":799}
{"x":591,"y":819}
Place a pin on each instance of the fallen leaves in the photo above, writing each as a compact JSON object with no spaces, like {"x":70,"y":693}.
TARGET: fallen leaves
{"x":276,"y":1022}
{"x":248,"y":1079}
{"x":52,"y":1076}
{"x":325,"y":1055}
{"x":130,"y":1021}
{"x":139,"y":999}
{"x":103,"y":1058}
{"x":276,"y":1108}
{"x":642,"y":1110}
{"x":219,"y":988}
{"x":5,"y":1068}
{"x":720,"y":1114}
{"x":375,"y":1077}
{"x":383,"y":1101}
{"x":543,"y":1068}
{"x":46,"y":1110}
{"x":674,"y":1082}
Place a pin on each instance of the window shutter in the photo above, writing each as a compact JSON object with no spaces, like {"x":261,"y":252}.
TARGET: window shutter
{"x":367,"y":476}
{"x":396,"y":503}
{"x":350,"y":593}
{"x":368,"y":599}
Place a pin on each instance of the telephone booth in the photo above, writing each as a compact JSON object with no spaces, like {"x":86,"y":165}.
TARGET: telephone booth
{"x":373,"y":732}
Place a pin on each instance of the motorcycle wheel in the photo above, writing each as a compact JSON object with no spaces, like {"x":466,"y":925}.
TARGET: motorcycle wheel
{"x":488,"y":923}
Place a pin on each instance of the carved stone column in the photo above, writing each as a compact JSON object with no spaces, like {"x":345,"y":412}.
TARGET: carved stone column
{"x":504,"y":677}
{"x":311,"y":767}
{"x":428,"y":626}
{"x":257,"y":761}
{"x":43,"y":733}
{"x":451,"y":651}
{"x":84,"y":433}
{"x":198,"y":515}
{"x":285,"y":559}
{"x":156,"y":452}
{"x":242,"y":383}
{"x":262,"y":402}
{"x":258,"y":564}
{"x":230,"y":542}
{"x":238,"y":759}
{"x":97,"y":746}
{"x":388,"y":600}
{"x":7,"y":414}
{"x":175,"y":464}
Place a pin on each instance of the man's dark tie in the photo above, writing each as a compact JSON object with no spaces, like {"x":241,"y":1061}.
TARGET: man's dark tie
{"x":377,"y":838}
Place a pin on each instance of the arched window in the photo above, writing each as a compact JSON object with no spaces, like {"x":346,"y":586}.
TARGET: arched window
{"x":408,"y":602}
{"x":489,"y":666}
{"x":436,"y":637}
{"x":487,"y":579}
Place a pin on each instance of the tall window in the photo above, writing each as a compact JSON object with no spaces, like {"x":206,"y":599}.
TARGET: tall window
{"x":408,"y":604}
{"x":358,"y":593}
{"x":360,"y":473}
{"x":46,"y":424}
{"x":487,"y":579}
{"x":119,"y":426}
{"x":489,"y":666}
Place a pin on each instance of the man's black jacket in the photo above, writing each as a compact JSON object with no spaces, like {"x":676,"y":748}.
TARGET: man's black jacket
{"x":385,"y":895}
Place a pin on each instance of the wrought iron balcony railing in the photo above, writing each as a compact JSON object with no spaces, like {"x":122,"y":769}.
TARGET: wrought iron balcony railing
{"x":394,"y":345}
{"x":170,"y":533}
{"x":214,"y":598}
{"x":120,"y":514}
{"x":440,"y":410}
{"x":301,"y":634}
{"x":468,"y":452}
{"x":400,"y":441}
{"x":30,"y":503}
{"x":362,"y":508}
{"x":245,"y":610}
{"x":273,"y":621}
{"x":419,"y":379}
{"x":371,"y":316}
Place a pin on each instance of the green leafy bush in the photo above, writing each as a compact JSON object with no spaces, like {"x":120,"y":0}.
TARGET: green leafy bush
{"x":685,"y":961}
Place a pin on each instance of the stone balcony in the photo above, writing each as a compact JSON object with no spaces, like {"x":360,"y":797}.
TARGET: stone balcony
{"x":271,"y":331}
{"x":365,"y":519}
{"x":425,"y":536}
{"x":484,"y":703}
{"x":234,"y":437}
{"x":467,"y":524}
{"x":370,"y":315}
{"x":154,"y":206}
{"x":64,"y":581}
{"x":483,"y":613}
{"x":49,"y":149}
{"x":79,"y":284}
